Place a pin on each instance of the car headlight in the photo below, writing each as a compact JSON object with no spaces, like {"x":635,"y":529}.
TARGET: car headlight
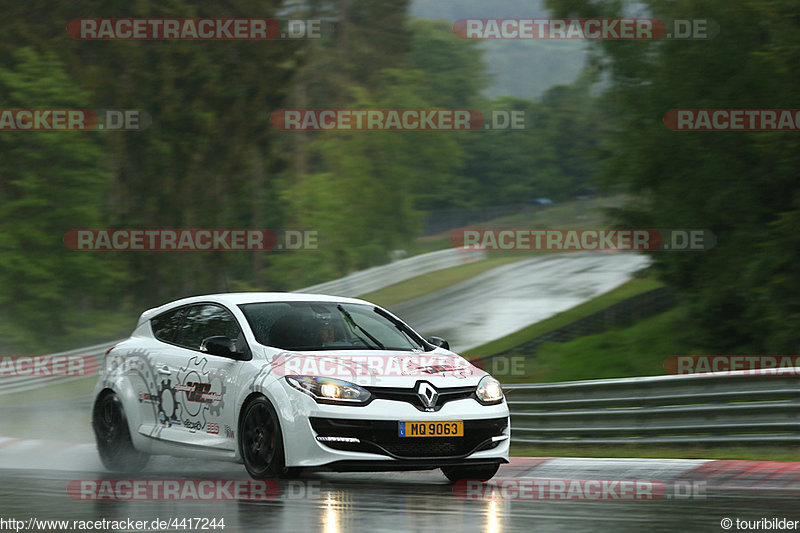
{"x":489,"y":391}
{"x":328,"y":390}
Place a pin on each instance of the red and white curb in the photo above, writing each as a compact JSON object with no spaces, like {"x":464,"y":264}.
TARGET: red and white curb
{"x":717,"y":474}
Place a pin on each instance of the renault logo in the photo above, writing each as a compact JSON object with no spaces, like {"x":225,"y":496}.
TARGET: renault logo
{"x":427,"y":393}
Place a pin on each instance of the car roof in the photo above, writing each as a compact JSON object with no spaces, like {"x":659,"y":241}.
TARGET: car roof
{"x":232,"y":299}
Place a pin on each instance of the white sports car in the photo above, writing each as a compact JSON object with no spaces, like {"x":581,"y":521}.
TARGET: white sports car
{"x":286,"y":381}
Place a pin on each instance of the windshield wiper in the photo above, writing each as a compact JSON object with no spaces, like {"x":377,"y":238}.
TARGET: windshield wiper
{"x":355,"y":325}
{"x":397,"y":324}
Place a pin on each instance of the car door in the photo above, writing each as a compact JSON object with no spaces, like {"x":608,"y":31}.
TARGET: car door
{"x":156,"y":401}
{"x":201,"y":385}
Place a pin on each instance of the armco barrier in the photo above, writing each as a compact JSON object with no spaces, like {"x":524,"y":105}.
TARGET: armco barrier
{"x":728,"y":407}
{"x":9,"y":385}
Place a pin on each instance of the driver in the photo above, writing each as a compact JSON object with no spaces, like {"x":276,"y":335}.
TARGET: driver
{"x":327,"y":331}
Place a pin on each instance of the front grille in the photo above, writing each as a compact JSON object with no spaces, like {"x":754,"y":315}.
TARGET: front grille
{"x":410,"y":395}
{"x":381,"y":436}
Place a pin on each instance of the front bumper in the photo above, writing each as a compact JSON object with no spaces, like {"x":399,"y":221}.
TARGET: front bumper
{"x":486,"y":439}
{"x":400,"y":466}
{"x":381,"y":437}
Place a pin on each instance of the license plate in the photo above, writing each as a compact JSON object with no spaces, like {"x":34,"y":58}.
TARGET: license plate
{"x":431,"y":429}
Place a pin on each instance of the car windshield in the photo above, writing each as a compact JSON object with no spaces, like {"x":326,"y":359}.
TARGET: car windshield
{"x":310,"y":326}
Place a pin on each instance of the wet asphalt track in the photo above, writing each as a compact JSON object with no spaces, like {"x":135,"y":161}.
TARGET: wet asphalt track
{"x":35,"y":475}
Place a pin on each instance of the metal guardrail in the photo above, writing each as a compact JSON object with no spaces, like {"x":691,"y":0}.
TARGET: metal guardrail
{"x":727,"y":407}
{"x":9,"y":385}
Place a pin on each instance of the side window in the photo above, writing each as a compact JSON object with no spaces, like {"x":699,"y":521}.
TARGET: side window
{"x":165,"y":325}
{"x":206,"y":320}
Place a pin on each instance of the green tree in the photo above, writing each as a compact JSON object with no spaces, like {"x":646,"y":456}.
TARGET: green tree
{"x":742,"y":186}
{"x":50,"y":183}
{"x":208,"y":160}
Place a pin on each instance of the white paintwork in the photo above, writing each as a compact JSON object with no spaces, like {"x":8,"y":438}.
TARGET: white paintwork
{"x":131,"y":369}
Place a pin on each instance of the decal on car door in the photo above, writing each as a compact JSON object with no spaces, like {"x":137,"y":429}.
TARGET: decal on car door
{"x":198,"y":395}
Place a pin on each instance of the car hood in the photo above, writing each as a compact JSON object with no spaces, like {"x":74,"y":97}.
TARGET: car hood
{"x":379,"y":368}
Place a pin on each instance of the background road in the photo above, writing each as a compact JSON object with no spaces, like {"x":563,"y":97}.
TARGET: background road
{"x":508,"y":298}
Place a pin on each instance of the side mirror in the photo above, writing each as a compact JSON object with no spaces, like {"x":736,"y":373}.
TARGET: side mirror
{"x":222,"y":346}
{"x":440,"y":342}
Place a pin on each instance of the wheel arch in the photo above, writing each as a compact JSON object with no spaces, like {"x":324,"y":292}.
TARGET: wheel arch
{"x":249,"y":398}
{"x":130,"y":405}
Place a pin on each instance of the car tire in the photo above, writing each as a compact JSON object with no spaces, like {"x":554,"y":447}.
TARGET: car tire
{"x":261,"y":441}
{"x":113,"y":437}
{"x":477,"y":472}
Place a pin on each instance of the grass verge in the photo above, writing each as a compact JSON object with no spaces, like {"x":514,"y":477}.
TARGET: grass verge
{"x":623,"y":292}
{"x":637,"y":350}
